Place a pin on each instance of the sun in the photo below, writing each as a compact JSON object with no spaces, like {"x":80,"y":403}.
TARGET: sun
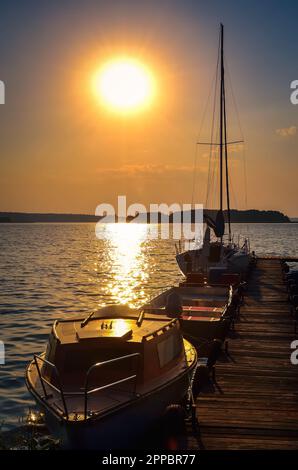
{"x":124,"y":85}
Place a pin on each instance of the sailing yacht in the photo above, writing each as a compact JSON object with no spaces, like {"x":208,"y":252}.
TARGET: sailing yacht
{"x":218,"y":256}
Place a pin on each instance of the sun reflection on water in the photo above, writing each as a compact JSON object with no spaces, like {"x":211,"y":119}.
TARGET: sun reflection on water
{"x":127,"y":263}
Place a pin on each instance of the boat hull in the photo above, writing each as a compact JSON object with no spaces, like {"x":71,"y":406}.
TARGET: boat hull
{"x":198,"y":328}
{"x":237,"y":263}
{"x":201,"y":332}
{"x":123,"y":427}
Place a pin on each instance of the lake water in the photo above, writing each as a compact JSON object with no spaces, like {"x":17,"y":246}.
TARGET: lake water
{"x":52,"y":271}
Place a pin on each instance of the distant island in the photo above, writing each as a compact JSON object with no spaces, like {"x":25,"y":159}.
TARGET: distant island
{"x":237,"y":216}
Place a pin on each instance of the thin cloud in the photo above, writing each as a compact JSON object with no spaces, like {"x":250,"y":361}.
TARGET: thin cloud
{"x":144,"y":170}
{"x":287,"y":131}
{"x":233,"y":149}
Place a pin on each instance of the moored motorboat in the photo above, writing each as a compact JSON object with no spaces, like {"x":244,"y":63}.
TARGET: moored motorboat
{"x":105,"y":379}
{"x":205,"y":312}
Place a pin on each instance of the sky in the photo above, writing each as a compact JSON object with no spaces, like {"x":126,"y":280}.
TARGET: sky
{"x":61,"y":150}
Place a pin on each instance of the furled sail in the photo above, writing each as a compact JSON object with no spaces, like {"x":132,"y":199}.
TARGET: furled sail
{"x":218,"y":226}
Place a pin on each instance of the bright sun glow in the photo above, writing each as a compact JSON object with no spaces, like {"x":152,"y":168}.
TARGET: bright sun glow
{"x":124,"y":85}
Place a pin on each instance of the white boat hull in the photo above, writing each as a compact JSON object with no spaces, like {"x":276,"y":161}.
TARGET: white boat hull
{"x":237,"y":263}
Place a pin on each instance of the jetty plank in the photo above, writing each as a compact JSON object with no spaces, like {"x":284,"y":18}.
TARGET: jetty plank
{"x":254,"y":402}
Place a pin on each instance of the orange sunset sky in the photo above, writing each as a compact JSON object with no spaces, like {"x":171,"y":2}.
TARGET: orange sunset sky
{"x":62,"y":150}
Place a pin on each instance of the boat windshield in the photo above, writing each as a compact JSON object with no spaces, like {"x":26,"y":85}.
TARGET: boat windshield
{"x":114,"y":313}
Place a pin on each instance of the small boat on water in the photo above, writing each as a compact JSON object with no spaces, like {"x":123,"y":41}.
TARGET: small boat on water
{"x":105,"y":379}
{"x":205,"y":312}
{"x":215,"y":257}
{"x":228,"y":255}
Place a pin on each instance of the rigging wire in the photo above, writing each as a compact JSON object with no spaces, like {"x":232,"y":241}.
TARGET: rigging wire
{"x":234,"y":194}
{"x":212,"y":175}
{"x":194,"y":175}
{"x":213,"y":83}
{"x":244,"y":159}
{"x":242,"y":136}
{"x":209,"y":181}
{"x":215,"y":175}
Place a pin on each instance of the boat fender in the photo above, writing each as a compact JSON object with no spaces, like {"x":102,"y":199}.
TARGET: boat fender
{"x":285,"y":267}
{"x":201,"y":378}
{"x":235,"y":304}
{"x":294,"y":300}
{"x":174,"y":420}
{"x":188,"y":261}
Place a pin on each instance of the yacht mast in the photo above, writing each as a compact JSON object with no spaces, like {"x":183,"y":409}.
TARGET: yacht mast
{"x":221,"y":118}
{"x":223,"y":133}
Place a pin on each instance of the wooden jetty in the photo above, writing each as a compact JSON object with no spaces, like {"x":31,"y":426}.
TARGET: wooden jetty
{"x":254,"y":402}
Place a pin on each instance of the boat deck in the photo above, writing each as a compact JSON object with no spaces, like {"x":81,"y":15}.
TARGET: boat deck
{"x":254,"y":403}
{"x":70,"y":331}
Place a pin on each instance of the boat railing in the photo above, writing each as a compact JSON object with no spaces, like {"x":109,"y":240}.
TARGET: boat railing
{"x":59,"y":389}
{"x":55,"y":330}
{"x":44,"y":380}
{"x":239,"y":241}
{"x":88,"y":392}
{"x":230,"y":296}
{"x":162,"y":328}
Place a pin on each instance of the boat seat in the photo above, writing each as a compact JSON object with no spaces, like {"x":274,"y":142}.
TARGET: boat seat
{"x":214,"y":253}
{"x":205,"y":312}
{"x":199,"y":318}
{"x":199,"y":302}
{"x":191,"y":308}
{"x":195,"y":278}
{"x":229,"y":279}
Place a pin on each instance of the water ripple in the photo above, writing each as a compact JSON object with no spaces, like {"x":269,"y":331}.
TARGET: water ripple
{"x":52,"y":271}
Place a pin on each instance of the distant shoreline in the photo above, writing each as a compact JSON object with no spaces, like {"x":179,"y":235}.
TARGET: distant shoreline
{"x":249,"y":216}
